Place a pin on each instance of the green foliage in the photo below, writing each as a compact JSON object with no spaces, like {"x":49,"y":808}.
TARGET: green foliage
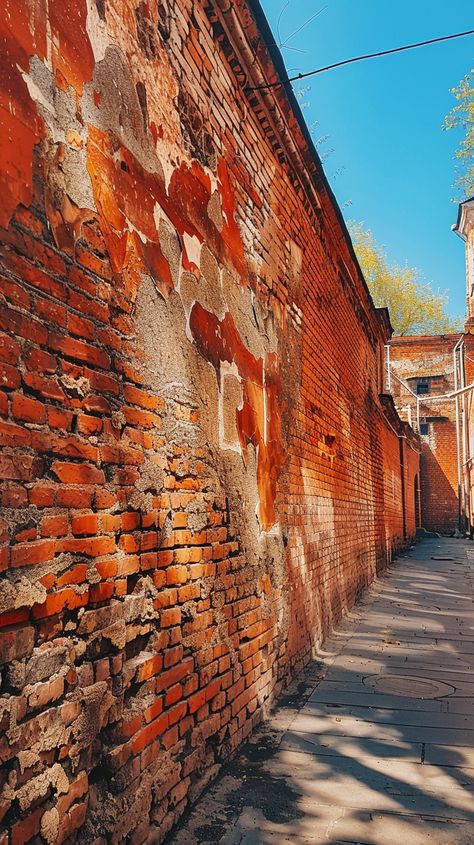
{"x":461,"y":117}
{"x":415,"y":309}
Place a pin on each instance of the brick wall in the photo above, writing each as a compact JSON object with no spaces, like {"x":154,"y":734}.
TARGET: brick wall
{"x":431,"y":358}
{"x":199,"y":476}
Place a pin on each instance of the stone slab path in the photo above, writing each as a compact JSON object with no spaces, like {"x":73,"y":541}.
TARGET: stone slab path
{"x":375,"y":743}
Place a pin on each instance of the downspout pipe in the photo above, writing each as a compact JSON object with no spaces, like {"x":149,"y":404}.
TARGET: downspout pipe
{"x":458,"y":441}
{"x":402,"y":477}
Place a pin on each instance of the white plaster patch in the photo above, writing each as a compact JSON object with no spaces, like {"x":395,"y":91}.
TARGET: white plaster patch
{"x":97,"y":32}
{"x":168,"y":168}
{"x":133,"y":228}
{"x":228,"y":371}
{"x":35,"y":93}
{"x":189,"y":333}
{"x":193,"y":247}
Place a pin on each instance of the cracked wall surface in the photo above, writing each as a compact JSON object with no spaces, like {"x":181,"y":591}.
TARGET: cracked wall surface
{"x":198,"y":473}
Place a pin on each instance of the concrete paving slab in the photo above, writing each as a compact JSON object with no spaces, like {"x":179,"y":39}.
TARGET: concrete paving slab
{"x":356,"y":695}
{"x":358,"y":748}
{"x":435,"y":655}
{"x":373,"y":730}
{"x":460,"y":680}
{"x":381,"y":750}
{"x":389,"y":774}
{"x":349,"y":827}
{"x":383,"y":715}
{"x":447,"y":755}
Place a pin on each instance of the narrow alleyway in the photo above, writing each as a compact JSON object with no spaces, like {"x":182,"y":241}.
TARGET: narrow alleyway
{"x":375,"y":745}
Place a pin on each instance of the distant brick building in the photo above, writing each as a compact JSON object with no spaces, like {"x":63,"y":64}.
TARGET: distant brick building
{"x":422,"y":369}
{"x":199,"y":474}
{"x":422,"y":373}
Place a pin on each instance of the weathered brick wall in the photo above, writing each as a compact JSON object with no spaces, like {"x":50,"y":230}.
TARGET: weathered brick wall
{"x":432,"y":358}
{"x":195,"y":459}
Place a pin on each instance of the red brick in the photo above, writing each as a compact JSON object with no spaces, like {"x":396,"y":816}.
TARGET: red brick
{"x":9,"y":376}
{"x":22,"y":326}
{"x":27,"y":554}
{"x":38,"y":360}
{"x":153,"y":710}
{"x":103,"y":381}
{"x":89,"y":425}
{"x":15,"y":644}
{"x":172,"y":676}
{"x":14,"y":617}
{"x":142,"y":398}
{"x":80,"y":326}
{"x":30,"y":410}
{"x":59,"y":418}
{"x":101,"y":592}
{"x":57,"y":602}
{"x":24,"y":829}
{"x":14,"y":293}
{"x":110,"y":522}
{"x":169,"y":617}
{"x":93,"y":307}
{"x":41,"y":495}
{"x":79,"y":350}
{"x":106,"y":568}
{"x":48,"y":387}
{"x":10,"y":349}
{"x":54,"y":526}
{"x":150,"y":667}
{"x":75,"y":497}
{"x":14,"y":435}
{"x":3,"y":404}
{"x":50,"y":311}
{"x":86,"y":523}
{"x":77,"y":473}
{"x":76,"y":575}
{"x":150,"y":733}
{"x":90,"y":546}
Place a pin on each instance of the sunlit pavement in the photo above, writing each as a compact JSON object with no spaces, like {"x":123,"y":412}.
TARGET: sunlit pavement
{"x":375,"y":743}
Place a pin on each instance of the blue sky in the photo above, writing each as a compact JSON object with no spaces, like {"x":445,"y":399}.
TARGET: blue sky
{"x":391,"y":159}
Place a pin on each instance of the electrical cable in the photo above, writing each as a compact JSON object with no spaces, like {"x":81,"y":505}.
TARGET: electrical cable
{"x":360,"y":59}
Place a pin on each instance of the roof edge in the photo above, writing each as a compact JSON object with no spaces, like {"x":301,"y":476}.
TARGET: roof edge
{"x":277,"y":60}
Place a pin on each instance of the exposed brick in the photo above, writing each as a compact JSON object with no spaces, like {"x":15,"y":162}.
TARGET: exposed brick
{"x":79,"y":350}
{"x":70,"y":473}
{"x":54,"y":526}
{"x":9,"y":349}
{"x":85,"y":524}
{"x":30,"y":410}
{"x":38,"y":360}
{"x":9,"y":376}
{"x":27,"y":554}
{"x":199,"y":478}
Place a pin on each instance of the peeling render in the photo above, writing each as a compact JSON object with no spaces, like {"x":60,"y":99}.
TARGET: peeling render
{"x":199,"y":472}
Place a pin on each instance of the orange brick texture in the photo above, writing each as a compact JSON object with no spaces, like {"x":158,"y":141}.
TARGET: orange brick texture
{"x":198,"y":473}
{"x":413,"y":358}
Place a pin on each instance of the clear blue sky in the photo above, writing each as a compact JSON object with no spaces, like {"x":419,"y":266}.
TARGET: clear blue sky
{"x":391,"y":158}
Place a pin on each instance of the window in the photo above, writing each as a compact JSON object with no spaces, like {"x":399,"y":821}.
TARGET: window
{"x":422,"y":386}
{"x":424,"y":428}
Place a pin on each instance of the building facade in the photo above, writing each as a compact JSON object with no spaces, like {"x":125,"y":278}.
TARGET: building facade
{"x":199,"y":472}
{"x":422,"y":374}
{"x":431,"y":381}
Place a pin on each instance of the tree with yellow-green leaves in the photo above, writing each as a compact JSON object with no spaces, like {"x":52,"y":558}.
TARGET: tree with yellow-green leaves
{"x":461,"y":116}
{"x":415,"y":308}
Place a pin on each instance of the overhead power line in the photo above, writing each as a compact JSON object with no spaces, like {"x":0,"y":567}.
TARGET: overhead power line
{"x":361,"y":59}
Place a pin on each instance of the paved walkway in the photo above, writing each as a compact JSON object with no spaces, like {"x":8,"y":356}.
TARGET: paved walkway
{"x":375,"y":745}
